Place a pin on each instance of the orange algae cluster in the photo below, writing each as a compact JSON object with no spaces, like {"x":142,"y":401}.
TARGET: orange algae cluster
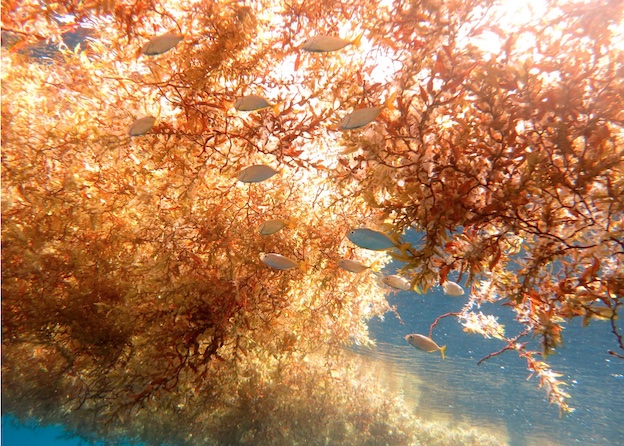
{"x":131,"y":278}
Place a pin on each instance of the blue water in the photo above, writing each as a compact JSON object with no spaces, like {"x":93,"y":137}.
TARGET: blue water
{"x":14,"y":435}
{"x":497,"y":395}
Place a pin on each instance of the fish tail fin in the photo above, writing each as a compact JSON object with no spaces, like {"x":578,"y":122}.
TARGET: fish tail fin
{"x":291,"y":223}
{"x":276,"y":107}
{"x":389,"y":104}
{"x":375,"y":267}
{"x":442,"y":351}
{"x":358,"y":40}
{"x":304,"y":266}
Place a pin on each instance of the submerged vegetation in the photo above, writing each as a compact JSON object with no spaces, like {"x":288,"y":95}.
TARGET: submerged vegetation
{"x":141,"y":301}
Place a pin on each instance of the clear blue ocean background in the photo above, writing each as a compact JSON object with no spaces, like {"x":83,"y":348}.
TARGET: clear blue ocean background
{"x":24,"y":436}
{"x":497,"y":394}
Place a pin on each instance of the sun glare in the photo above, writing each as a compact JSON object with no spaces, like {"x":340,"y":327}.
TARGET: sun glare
{"x":511,"y":18}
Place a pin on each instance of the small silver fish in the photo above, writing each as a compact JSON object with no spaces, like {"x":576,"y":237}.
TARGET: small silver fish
{"x":161,"y":44}
{"x":398,"y":282}
{"x":369,"y":239}
{"x":425,"y":343}
{"x":452,"y":288}
{"x":326,"y":44}
{"x":256,"y":174}
{"x":352,"y":265}
{"x":271,"y":227}
{"x":278,"y":261}
{"x":359,"y":118}
{"x":142,"y":126}
{"x":254,"y":102}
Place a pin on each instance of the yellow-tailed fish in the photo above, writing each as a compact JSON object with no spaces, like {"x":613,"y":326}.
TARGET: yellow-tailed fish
{"x":161,"y":44}
{"x":425,"y":343}
{"x":254,"y":102}
{"x":398,"y":282}
{"x":278,"y":261}
{"x":359,"y":118}
{"x":352,"y":265}
{"x":272,"y":226}
{"x":452,"y":288}
{"x":369,"y":239}
{"x":326,"y":44}
{"x":256,"y":174}
{"x":142,"y":126}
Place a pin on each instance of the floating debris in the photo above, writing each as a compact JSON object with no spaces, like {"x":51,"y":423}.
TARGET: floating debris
{"x":369,"y":239}
{"x":398,"y":282}
{"x":278,"y":261}
{"x":161,"y":44}
{"x":452,"y":288}
{"x":359,"y":118}
{"x":326,"y":44}
{"x":254,"y":102}
{"x":142,"y":126}
{"x":425,"y":343}
{"x":256,"y":174}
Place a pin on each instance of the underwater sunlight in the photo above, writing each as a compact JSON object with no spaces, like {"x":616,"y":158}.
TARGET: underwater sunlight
{"x":314,"y":222}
